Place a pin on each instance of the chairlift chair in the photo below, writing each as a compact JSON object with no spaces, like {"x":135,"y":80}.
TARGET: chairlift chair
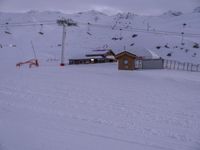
{"x":7,"y":29}
{"x":88,"y":29}
{"x":41,"y":28}
{"x":7,"y":32}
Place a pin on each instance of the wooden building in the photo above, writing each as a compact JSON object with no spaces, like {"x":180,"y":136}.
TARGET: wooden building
{"x":126,"y":60}
{"x":92,"y":60}
{"x":130,"y":61}
{"x":95,"y":56}
{"x":105,"y":53}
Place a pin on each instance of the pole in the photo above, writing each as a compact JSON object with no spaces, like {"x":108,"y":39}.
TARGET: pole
{"x":182,"y":38}
{"x":148,"y":26}
{"x":33,"y":50}
{"x":63,"y":45}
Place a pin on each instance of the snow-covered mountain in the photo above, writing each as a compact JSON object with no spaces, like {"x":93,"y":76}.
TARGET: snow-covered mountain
{"x":97,"y":107}
{"x":160,"y":34}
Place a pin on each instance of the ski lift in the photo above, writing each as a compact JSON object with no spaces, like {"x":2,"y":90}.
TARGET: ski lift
{"x":120,"y":32}
{"x":41,"y":28}
{"x":88,"y":29}
{"x":7,"y":30}
{"x":89,"y":33}
{"x":184,"y":25}
{"x":105,"y":46}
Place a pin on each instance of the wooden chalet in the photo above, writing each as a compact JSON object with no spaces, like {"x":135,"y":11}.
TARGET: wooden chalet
{"x":130,"y":61}
{"x":126,"y":60}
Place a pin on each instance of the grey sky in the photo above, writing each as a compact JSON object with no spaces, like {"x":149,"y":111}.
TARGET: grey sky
{"x":147,"y":7}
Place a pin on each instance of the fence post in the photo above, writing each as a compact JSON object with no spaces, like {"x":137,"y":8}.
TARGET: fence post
{"x":196,"y":68}
{"x":191,"y":67}
{"x":187,"y":66}
{"x":178,"y":65}
{"x":174,"y":64}
{"x":183,"y":66}
{"x":171,"y":63}
{"x":165,"y":63}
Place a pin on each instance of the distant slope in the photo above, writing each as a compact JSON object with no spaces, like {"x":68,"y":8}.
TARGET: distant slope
{"x":160,"y":34}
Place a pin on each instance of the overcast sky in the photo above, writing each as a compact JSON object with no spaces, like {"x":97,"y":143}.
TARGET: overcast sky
{"x":143,"y":7}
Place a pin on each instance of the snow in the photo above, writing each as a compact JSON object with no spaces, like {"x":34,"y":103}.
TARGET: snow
{"x":96,"y":106}
{"x":197,"y":10}
{"x":172,"y":13}
{"x":86,"y":37}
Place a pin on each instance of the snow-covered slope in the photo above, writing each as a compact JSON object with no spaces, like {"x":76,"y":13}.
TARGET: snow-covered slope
{"x":145,"y":32}
{"x":197,"y":10}
{"x":97,"y":107}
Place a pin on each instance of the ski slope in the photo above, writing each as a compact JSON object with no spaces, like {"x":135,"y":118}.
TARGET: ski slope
{"x":96,"y":106}
{"x":137,"y":33}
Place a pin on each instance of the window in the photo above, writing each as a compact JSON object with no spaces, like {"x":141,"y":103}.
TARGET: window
{"x":125,"y":62}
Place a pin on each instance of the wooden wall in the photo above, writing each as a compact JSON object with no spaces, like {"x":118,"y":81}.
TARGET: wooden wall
{"x":129,"y":66}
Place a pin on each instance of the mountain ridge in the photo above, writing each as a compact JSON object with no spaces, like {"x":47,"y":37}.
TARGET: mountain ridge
{"x":96,"y":30}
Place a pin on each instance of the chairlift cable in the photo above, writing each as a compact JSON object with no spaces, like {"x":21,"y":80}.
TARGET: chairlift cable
{"x":53,"y":22}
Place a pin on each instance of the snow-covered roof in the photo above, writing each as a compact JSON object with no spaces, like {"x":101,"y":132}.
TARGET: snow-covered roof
{"x":142,"y":52}
{"x":88,"y":54}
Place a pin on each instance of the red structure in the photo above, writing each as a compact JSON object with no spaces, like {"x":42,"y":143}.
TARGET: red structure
{"x":32,"y":62}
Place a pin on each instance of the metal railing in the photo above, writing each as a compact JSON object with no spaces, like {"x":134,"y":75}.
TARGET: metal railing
{"x":185,"y":66}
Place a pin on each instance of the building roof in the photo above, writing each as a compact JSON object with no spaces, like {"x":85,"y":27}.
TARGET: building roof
{"x":97,"y":53}
{"x":125,"y":53}
{"x":141,"y":53}
{"x":100,"y":52}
